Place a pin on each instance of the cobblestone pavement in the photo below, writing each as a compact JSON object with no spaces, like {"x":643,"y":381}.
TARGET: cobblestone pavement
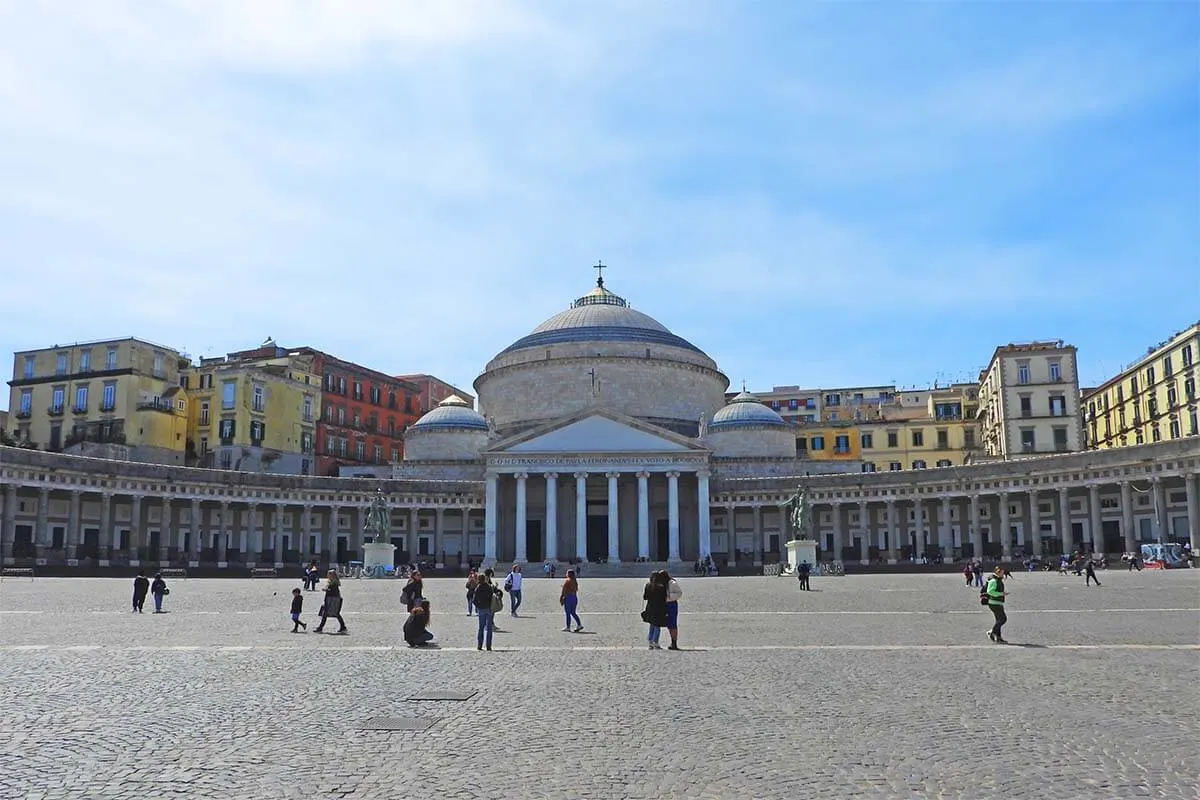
{"x":869,"y":686}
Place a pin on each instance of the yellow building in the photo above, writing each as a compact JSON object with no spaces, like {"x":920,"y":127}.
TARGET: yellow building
{"x":886,"y":428}
{"x":117,"y":398}
{"x":1154,"y":399}
{"x":254,"y":411}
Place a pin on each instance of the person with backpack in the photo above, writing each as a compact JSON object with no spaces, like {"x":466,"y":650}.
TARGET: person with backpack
{"x":485,"y":597}
{"x":413,"y":591}
{"x":992,"y":596}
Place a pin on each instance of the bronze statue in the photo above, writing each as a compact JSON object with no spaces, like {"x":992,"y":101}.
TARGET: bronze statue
{"x":378,"y":518}
{"x":800,"y":511}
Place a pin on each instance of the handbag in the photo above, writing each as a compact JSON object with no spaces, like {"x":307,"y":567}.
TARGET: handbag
{"x":497,"y":603}
{"x":166,"y":591}
{"x":646,"y":618}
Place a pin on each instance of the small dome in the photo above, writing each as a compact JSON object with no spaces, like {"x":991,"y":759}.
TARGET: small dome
{"x":745,"y":409}
{"x":453,"y":412}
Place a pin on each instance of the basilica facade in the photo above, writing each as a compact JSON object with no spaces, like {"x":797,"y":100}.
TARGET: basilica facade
{"x":600,"y":437}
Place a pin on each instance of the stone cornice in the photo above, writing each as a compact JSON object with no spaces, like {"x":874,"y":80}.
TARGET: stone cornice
{"x":598,"y":462}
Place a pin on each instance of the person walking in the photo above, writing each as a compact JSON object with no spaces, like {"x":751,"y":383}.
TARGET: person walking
{"x":977,"y":571}
{"x":968,"y":574}
{"x":140,"y":587}
{"x":1089,"y":571}
{"x":332,"y":607}
{"x":674,"y":593}
{"x":297,"y":607}
{"x":804,"y":573}
{"x":159,"y":589}
{"x":485,"y":594}
{"x":512,"y":584}
{"x":655,"y":612}
{"x":993,"y":597}
{"x":416,"y":627}
{"x":568,"y":598}
{"x":472,"y":581}
{"x":311,"y":576}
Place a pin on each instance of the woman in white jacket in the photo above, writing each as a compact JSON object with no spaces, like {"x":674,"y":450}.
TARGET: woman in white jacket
{"x":674,"y":592}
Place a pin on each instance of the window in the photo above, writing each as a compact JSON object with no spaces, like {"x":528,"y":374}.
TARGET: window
{"x":1026,"y":406}
{"x":60,"y":364}
{"x":1120,"y":395}
{"x":109,"y":401}
{"x":58,"y":399}
{"x":1187,"y":355}
{"x":1168,"y":367}
{"x":1060,"y":439}
{"x":206,"y":381}
{"x":1175,"y":429}
{"x":306,"y":442}
{"x":1189,"y":389}
{"x":945,"y":462}
{"x":306,"y":409}
{"x":1149,"y":376}
{"x":183,"y":381}
{"x":357,"y":419}
{"x":1133,"y":385}
{"x":833,"y":399}
{"x":868,"y":467}
{"x":204,"y":412}
{"x":26,"y":407}
{"x":793,"y":405}
{"x":378,"y":454}
{"x":841,"y":444}
{"x":360,"y":451}
{"x":893,"y":439}
{"x":1155,"y":434}
{"x":158,"y":365}
{"x":1058,"y":405}
{"x":918,"y":438}
{"x":895,"y":466}
{"x":330,"y":446}
{"x":358,"y":395}
{"x":1172,"y":396}
{"x":258,"y":400}
{"x":226,"y":431}
{"x":943,"y":439}
{"x":341,"y":415}
{"x":818,"y":443}
{"x":85,"y":361}
{"x":1192,"y":427}
{"x":110,"y":358}
{"x":81,"y":398}
{"x":1055,"y":371}
{"x":867,"y":442}
{"x":29,"y":363}
{"x":968,"y":437}
{"x":391,"y":399}
{"x":918,"y":464}
{"x":801,"y":444}
{"x":1028,"y":440}
{"x":203,"y":445}
{"x":1152,"y":407}
{"x":395,"y":454}
{"x":833,"y":416}
{"x":375,"y":395}
{"x":258,"y":432}
{"x":228,"y":394}
{"x":226,"y":459}
{"x":1023,"y":373}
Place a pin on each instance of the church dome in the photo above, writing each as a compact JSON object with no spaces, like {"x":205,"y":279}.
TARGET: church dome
{"x":601,"y":316}
{"x":745,"y":409}
{"x":453,"y":412}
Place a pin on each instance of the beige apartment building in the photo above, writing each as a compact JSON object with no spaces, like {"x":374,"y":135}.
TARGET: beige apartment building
{"x":116,"y":398}
{"x":1152,"y":400}
{"x":1029,"y":401}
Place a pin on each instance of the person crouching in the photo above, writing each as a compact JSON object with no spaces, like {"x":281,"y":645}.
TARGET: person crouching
{"x":416,"y":627}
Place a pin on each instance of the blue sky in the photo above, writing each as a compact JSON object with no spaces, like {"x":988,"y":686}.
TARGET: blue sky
{"x":823,"y":194}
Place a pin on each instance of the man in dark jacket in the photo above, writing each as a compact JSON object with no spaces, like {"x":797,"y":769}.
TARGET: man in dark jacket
{"x":141,"y":587}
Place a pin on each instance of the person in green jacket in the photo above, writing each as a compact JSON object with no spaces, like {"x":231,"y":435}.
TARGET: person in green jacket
{"x":995,"y":594}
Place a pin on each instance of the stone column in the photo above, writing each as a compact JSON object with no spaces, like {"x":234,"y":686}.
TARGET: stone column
{"x":894,"y":553}
{"x":251,"y":547}
{"x":522,"y":529}
{"x":839,"y":543}
{"x":1064,"y":519}
{"x":489,"y":519}
{"x":759,"y":544}
{"x":41,"y":539}
{"x":223,"y":533}
{"x":976,"y":528}
{"x":8,"y":535}
{"x":614,"y":519}
{"x":135,"y":529}
{"x":1094,"y":523}
{"x":581,"y":516}
{"x":439,"y":534}
{"x":643,"y":479}
{"x":356,"y":531}
{"x":1033,"y":535}
{"x":1193,"y":511}
{"x":1160,"y":511}
{"x":1127,"y":517}
{"x":73,"y":526}
{"x":864,"y":523}
{"x":784,"y":537}
{"x":306,"y":533}
{"x":918,"y":540}
{"x":166,"y":528}
{"x":673,"y":516}
{"x":551,"y":549}
{"x":197,"y":528}
{"x":277,"y":534}
{"x":705,"y":512}
{"x":945,"y":532}
{"x":1005,"y":528}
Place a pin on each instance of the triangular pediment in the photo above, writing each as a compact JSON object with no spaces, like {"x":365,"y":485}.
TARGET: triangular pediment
{"x":598,"y":432}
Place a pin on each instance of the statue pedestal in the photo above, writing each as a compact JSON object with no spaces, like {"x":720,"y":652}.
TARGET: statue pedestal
{"x":378,"y":554}
{"x":800,"y":550}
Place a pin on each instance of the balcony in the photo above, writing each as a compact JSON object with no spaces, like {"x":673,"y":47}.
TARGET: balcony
{"x":108,"y":407}
{"x":841,"y":451}
{"x":56,"y":411}
{"x":79,"y":409}
{"x":156,"y":405}
{"x":24,"y":413}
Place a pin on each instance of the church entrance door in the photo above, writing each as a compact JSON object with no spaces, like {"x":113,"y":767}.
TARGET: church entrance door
{"x":534,"y":552}
{"x":662,"y":538}
{"x":597,"y":538}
